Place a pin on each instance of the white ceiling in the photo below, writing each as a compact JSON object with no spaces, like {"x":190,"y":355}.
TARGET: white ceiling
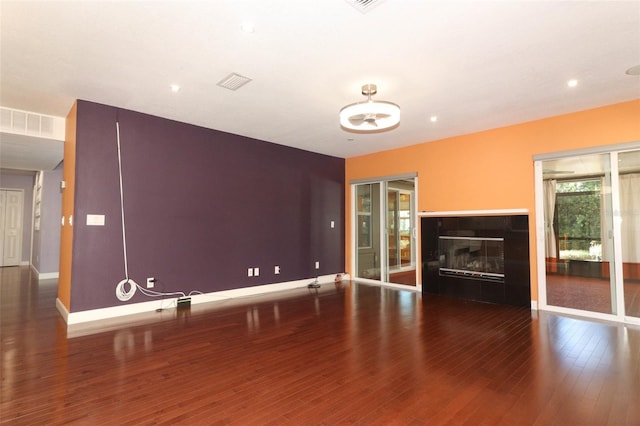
{"x":22,"y":152}
{"x":476,"y":65}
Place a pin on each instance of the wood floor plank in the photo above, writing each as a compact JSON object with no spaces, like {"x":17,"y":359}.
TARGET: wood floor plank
{"x":353,"y":354}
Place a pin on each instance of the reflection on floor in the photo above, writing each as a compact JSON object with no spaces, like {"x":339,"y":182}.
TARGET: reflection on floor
{"x":404,"y":277}
{"x":590,"y":294}
{"x":342,"y":354}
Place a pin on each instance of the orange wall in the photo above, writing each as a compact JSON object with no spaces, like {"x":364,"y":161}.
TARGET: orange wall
{"x":66,"y":232}
{"x":494,"y":169}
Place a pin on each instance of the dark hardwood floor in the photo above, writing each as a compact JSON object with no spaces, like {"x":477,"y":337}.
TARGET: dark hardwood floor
{"x":347,"y":354}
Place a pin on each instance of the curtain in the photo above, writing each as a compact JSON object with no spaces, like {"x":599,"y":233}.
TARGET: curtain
{"x":630,"y":213}
{"x":606,"y":228}
{"x":549,"y":209}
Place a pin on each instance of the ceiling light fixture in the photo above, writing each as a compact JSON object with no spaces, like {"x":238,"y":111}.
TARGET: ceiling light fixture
{"x":572,"y":83}
{"x":434,"y":118}
{"x":175,"y":88}
{"x":247,"y":27}
{"x":370,"y":115}
{"x":633,"y":70}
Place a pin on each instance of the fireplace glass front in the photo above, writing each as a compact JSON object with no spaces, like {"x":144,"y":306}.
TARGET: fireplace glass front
{"x":472,"y":257}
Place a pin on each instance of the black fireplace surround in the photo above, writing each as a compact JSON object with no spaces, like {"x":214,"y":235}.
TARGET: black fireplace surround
{"x":481,"y":258}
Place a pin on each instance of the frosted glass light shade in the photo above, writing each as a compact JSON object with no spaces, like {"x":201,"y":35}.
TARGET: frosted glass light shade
{"x":370,"y":116}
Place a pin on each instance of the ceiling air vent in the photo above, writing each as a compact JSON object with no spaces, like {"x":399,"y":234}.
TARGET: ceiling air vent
{"x":233,"y":81}
{"x":31,"y":124}
{"x":364,"y":6}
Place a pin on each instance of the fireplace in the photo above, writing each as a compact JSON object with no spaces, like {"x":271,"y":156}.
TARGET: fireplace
{"x":483,"y":258}
{"x":472,"y":257}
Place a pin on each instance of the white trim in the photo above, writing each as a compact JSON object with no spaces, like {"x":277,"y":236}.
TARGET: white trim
{"x":602,"y":149}
{"x":590,"y":315}
{"x":72,"y":318}
{"x":416,"y":288}
{"x":632,"y":320}
{"x":541,"y":256}
{"x":48,"y":275}
{"x":354,"y":224}
{"x":617,"y":287}
{"x":45,"y":275}
{"x":387,"y":178}
{"x":24,"y":263}
{"x":496,"y":212}
{"x":534,"y":305}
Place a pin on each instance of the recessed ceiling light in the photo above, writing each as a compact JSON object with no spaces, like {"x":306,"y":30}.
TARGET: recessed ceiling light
{"x":434,"y":118}
{"x":247,"y":27}
{"x":634,"y":70}
{"x":175,"y":88}
{"x":572,"y":83}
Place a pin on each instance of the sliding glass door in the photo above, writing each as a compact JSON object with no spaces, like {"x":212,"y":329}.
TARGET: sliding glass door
{"x":629,"y":182}
{"x":367,"y":219}
{"x":580,"y":230}
{"x":591,"y":209}
{"x":385,"y":218}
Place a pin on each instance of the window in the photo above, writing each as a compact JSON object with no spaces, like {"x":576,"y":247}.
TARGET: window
{"x":578,"y":219}
{"x":364,"y":216}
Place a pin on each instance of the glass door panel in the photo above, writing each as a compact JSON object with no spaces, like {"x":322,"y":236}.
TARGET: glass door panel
{"x":367,"y":219}
{"x":629,"y":170}
{"x":384,"y":217}
{"x":393,"y":231}
{"x":578,"y":233}
{"x":400,"y":222}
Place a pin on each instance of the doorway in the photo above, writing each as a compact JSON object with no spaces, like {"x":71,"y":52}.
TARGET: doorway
{"x":11,"y":207}
{"x":590,"y":252}
{"x":384,"y":214}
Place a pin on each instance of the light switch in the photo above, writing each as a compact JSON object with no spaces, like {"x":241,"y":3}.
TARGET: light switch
{"x":333,"y":224}
{"x":95,"y":220}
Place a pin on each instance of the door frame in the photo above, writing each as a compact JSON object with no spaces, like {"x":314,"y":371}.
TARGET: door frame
{"x":613,"y":151}
{"x":383,"y":180}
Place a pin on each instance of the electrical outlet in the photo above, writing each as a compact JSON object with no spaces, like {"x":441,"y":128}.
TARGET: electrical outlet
{"x":256,"y":272}
{"x":250,"y":272}
{"x":276,"y":270}
{"x":317,"y":264}
{"x":151,"y":282}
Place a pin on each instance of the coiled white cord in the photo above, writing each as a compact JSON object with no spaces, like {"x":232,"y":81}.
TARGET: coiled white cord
{"x":122,"y":292}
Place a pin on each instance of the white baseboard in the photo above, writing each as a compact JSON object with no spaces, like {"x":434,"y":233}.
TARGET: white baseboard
{"x":48,"y":275}
{"x":25,"y":263}
{"x":534,"y":305}
{"x":45,"y":275}
{"x":72,"y":318}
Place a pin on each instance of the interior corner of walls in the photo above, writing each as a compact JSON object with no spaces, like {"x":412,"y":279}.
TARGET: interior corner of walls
{"x":62,"y":309}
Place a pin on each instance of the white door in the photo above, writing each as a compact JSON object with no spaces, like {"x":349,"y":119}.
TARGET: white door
{"x":11,"y":205}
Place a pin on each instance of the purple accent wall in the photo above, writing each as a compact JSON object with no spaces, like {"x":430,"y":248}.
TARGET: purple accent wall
{"x":201,"y":207}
